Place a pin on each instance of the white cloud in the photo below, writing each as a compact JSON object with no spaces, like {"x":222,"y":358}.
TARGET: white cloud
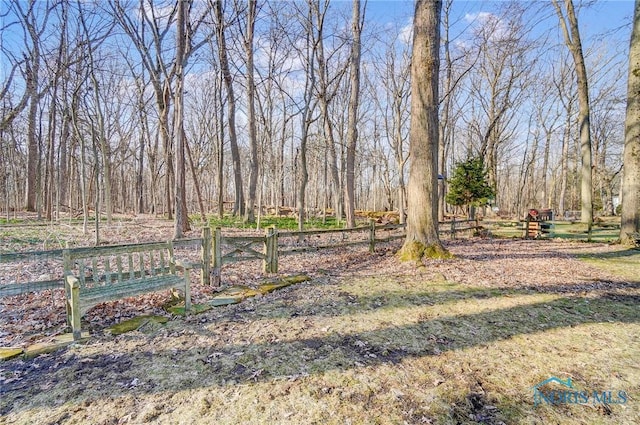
{"x":406,"y":33}
{"x":486,"y":21}
{"x":480,"y":17}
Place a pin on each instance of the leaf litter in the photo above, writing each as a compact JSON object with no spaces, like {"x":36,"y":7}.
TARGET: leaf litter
{"x":366,"y":338}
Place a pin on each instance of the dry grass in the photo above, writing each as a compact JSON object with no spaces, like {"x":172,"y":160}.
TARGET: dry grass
{"x":366,"y":341}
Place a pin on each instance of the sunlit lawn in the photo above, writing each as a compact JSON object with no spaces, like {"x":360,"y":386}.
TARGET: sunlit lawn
{"x":387,"y":349}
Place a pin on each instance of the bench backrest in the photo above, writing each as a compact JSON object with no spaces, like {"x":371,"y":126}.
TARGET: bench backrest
{"x":105,"y":265}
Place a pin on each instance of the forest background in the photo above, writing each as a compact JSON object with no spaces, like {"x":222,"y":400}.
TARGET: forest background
{"x":126,"y":106}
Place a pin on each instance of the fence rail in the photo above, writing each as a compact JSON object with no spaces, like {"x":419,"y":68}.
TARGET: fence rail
{"x":217,"y":250}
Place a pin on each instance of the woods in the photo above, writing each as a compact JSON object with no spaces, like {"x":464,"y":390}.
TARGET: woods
{"x":182,"y":108}
{"x":443,"y":164}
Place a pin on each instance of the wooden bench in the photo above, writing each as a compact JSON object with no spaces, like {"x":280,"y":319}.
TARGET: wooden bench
{"x":96,"y":275}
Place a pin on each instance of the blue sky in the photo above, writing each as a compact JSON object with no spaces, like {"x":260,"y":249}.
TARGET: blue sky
{"x":600,"y":18}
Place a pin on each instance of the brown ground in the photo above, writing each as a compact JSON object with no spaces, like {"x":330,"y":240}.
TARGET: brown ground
{"x":265,"y":359}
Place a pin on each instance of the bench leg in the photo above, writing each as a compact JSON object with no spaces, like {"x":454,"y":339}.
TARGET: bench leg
{"x":68,"y":305}
{"x":187,"y":292}
{"x":73,"y":308}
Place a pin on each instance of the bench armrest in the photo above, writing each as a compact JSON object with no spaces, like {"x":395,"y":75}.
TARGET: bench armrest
{"x":71,"y":281}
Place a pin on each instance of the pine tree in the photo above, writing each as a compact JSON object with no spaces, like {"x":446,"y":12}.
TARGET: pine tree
{"x":469,"y":185}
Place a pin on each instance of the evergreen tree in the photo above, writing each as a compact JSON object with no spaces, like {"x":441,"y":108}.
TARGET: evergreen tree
{"x":469,"y":185}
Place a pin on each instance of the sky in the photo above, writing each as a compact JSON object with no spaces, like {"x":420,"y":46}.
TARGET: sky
{"x":600,"y":18}
{"x":605,"y":19}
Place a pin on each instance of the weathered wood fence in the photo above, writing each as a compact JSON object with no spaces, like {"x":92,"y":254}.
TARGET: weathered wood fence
{"x":217,"y":249}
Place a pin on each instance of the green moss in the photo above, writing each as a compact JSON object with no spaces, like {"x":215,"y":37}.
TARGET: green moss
{"x":222,"y":300}
{"x":270,"y":287}
{"x":176,"y":299}
{"x":135,"y":324}
{"x":298,"y":278}
{"x":282,"y":283}
{"x":235,"y":294}
{"x":411,"y":251}
{"x":416,"y":251}
{"x":10,"y":353}
{"x":437,"y":252}
{"x":58,"y":342}
{"x":179,"y":310}
{"x":242,"y":291}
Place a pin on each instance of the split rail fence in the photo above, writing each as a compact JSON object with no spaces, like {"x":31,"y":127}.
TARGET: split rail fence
{"x":216,"y":250}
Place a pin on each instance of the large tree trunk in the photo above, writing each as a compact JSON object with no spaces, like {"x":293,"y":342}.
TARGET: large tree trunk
{"x":144,"y":132}
{"x":196,"y":184}
{"x":306,"y":119}
{"x":422,"y":218}
{"x":631,"y":177}
{"x":239,"y":205}
{"x":220,"y":159}
{"x":63,"y":175}
{"x":352,"y":130}
{"x":33,"y":151}
{"x":251,"y":92}
{"x":32,"y":79}
{"x":571,"y":34}
{"x":445,"y":126}
{"x":182,"y":220}
{"x":164,"y":99}
{"x":324,"y":98}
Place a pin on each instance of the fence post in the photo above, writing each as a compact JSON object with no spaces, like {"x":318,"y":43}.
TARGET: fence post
{"x":372,"y":236}
{"x":270,"y":263}
{"x":216,"y":256}
{"x":526,"y":227}
{"x":453,"y":227}
{"x":205,"y":277}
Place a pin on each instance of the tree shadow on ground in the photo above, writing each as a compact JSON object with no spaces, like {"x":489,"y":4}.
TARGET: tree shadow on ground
{"x":213,"y":363}
{"x":623,"y":253}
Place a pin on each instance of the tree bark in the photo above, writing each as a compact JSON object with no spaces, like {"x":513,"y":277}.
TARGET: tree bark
{"x":422,"y":212}
{"x":33,"y":151}
{"x":239,"y":206}
{"x":631,"y":173}
{"x":571,"y":34}
{"x":325,"y":96}
{"x":306,"y":118}
{"x":32,"y":76}
{"x":182,"y":220}
{"x":352,"y":120}
{"x":254,"y":168}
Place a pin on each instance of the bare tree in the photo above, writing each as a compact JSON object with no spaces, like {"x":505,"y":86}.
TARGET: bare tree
{"x":182,"y":220}
{"x":422,"y":218}
{"x":567,"y":98}
{"x":94,"y":37}
{"x":309,"y":52}
{"x":149,"y":34}
{"x":327,"y":88}
{"x":498,"y":83}
{"x":34,"y":28}
{"x":239,"y":206}
{"x":254,"y":168}
{"x":631,"y":177}
{"x":352,"y":124}
{"x":571,"y":33}
{"x":393,"y":107}
{"x":453,"y":75}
